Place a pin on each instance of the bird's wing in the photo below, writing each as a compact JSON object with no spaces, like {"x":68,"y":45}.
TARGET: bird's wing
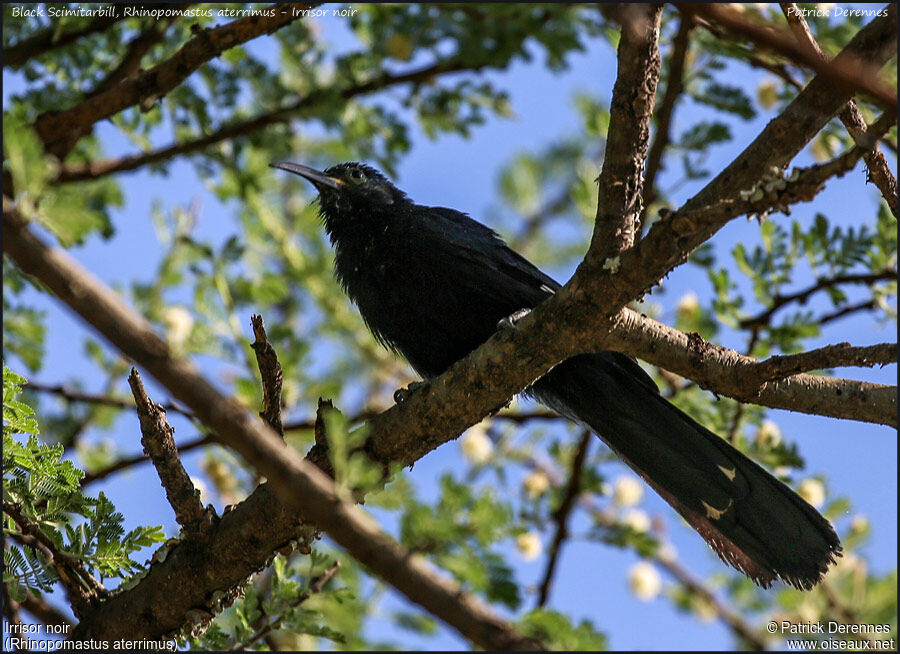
{"x":497,"y":269}
{"x":493,"y":266}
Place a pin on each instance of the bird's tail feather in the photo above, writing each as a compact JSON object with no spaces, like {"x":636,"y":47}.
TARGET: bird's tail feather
{"x":753,"y":521}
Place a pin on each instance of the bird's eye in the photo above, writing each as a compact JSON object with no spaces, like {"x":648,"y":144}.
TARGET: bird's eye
{"x":356,"y":174}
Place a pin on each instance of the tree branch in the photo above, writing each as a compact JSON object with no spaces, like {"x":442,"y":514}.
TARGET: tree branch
{"x":561,"y":515}
{"x":49,"y":38}
{"x":160,"y":447}
{"x":603,"y":518}
{"x":208,"y":439}
{"x":867,"y":305}
{"x":779,"y":301}
{"x":301,"y":488}
{"x":72,"y":395}
{"x":850,"y":115}
{"x":315,"y":588}
{"x":95,"y":169}
{"x":136,"y":49}
{"x":734,"y":621}
{"x":734,"y":375}
{"x":674,"y":88}
{"x":831,"y":356}
{"x":850,"y":73}
{"x":670,"y":241}
{"x":44,"y":611}
{"x":634,"y":93}
{"x":247,"y":536}
{"x":82,"y":589}
{"x":148,"y":87}
{"x":271,"y":373}
{"x":123,"y":464}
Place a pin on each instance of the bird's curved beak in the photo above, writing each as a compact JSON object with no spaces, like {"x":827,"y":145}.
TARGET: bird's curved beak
{"x":317,"y":178}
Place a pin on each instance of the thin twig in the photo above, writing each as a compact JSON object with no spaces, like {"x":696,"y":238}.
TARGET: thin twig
{"x":123,"y":464}
{"x":209,"y":439}
{"x":315,"y":588}
{"x":76,"y":172}
{"x":606,"y":519}
{"x":72,"y":395}
{"x":845,"y":71}
{"x":830,"y":356}
{"x":561,"y":515}
{"x":731,"y":618}
{"x":49,"y":38}
{"x":82,"y":589}
{"x":11,"y":611}
{"x":750,"y":56}
{"x":867,"y":305}
{"x":850,"y":115}
{"x":734,"y":428}
{"x":779,"y":301}
{"x":533,"y":221}
{"x":44,"y":611}
{"x":146,"y":88}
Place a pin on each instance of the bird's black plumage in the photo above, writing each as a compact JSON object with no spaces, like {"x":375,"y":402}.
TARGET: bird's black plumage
{"x":432,"y":284}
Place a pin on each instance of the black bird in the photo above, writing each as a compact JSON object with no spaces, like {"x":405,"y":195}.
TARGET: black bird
{"x":432,"y":284}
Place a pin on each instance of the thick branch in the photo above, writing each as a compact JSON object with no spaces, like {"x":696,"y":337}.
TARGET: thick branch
{"x":483,"y":381}
{"x":147,"y":87}
{"x":674,"y":88}
{"x":301,"y":488}
{"x":634,"y":93}
{"x":136,"y":49}
{"x":734,"y":375}
{"x":160,"y":447}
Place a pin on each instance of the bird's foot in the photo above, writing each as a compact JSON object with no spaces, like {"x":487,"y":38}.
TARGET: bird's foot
{"x":511,"y":320}
{"x":403,"y":394}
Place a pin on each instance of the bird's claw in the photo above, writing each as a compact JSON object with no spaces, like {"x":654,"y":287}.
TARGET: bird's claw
{"x":403,"y":394}
{"x":510,"y":321}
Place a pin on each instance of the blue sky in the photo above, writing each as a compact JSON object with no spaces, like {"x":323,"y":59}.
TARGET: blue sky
{"x":859,"y":459}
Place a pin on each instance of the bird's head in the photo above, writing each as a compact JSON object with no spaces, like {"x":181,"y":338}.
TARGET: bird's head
{"x":348,"y":188}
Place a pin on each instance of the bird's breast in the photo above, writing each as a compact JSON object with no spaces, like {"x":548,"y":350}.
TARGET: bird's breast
{"x":408,"y":298}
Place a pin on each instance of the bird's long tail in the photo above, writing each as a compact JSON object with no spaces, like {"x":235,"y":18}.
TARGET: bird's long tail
{"x":753,"y":521}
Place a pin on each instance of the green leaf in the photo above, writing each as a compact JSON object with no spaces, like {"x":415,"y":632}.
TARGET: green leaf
{"x":24,"y":157}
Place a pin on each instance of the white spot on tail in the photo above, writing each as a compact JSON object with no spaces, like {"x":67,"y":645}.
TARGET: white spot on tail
{"x":714,"y":513}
